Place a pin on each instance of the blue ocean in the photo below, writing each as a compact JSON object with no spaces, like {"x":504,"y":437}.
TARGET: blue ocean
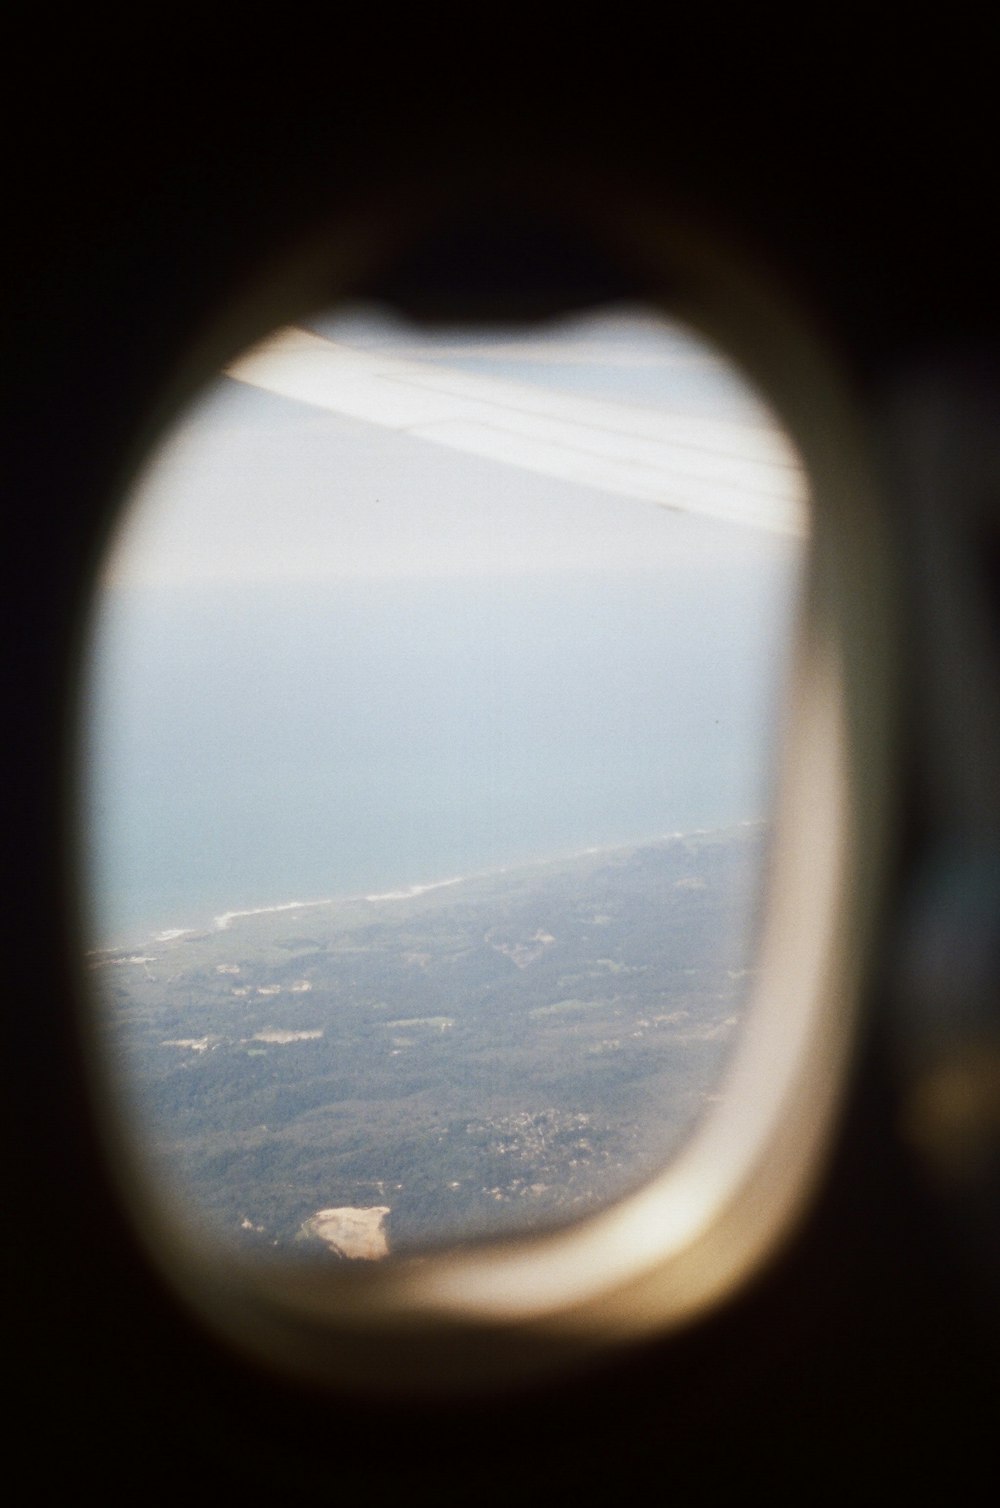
{"x":248,"y":745}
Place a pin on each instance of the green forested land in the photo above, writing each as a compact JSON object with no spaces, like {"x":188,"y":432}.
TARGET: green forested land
{"x":497,"y":1054}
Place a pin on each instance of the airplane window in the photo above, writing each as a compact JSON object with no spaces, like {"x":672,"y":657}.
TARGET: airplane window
{"x":435,"y":689}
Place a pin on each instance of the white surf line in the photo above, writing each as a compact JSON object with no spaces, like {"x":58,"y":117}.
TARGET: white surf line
{"x":222,"y":922}
{"x":740,"y":472}
{"x":414,"y":890}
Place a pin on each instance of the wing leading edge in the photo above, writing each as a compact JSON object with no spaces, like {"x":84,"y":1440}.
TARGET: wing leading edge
{"x":744,"y":473}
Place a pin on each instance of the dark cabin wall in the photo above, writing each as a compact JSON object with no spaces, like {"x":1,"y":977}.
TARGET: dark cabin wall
{"x":863,"y":1354}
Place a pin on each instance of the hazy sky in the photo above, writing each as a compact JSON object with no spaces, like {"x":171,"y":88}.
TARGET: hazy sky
{"x":256,"y":486}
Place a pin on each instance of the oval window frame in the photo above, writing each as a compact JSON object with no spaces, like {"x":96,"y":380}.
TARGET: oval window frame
{"x":490,"y":1313}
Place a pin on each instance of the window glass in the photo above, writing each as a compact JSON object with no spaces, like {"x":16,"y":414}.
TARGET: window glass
{"x":434,"y":684}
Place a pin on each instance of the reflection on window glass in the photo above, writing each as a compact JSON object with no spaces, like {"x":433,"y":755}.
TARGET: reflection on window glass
{"x":434,"y":681}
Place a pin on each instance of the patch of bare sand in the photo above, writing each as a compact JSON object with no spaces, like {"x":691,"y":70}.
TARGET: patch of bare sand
{"x":277,"y":1035}
{"x":355,"y":1233}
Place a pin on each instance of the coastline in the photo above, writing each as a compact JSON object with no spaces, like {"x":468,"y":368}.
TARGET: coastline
{"x":223,"y":920}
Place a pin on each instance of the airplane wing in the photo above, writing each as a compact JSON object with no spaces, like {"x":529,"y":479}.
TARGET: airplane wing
{"x":742,"y":472}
